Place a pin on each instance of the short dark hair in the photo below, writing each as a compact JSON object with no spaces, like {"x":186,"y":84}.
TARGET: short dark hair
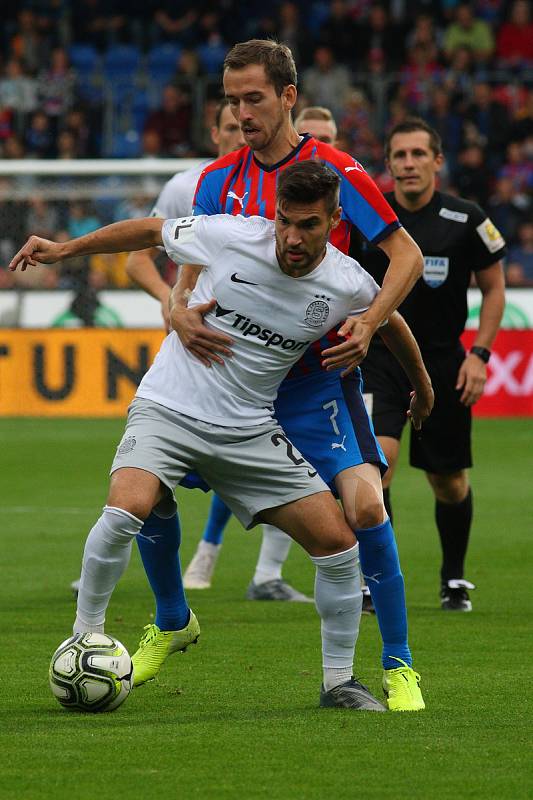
{"x":410,"y":125}
{"x":276,"y":59}
{"x":307,"y":182}
{"x":221,"y":105}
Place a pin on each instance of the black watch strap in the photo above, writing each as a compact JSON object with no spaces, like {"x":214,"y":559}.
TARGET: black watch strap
{"x":481,"y":352}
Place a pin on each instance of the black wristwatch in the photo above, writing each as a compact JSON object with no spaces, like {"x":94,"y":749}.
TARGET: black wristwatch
{"x":481,"y":352}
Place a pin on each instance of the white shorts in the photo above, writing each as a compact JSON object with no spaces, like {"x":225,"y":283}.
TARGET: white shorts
{"x":251,"y":469}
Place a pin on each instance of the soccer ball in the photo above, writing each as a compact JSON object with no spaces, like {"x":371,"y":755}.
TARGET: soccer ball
{"x":91,"y":672}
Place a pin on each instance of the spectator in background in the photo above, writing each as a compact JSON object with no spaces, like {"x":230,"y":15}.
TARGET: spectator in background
{"x":379,"y":34}
{"x":471,"y":177}
{"x":81,"y":220}
{"x":41,"y":219}
{"x":172,"y":121}
{"x":355,"y":123}
{"x":18,"y":91}
{"x":39,"y":137}
{"x":13,"y":230}
{"x":340,"y":33}
{"x":514,"y":42}
{"x":459,"y":77}
{"x":66,"y":146}
{"x":418,"y":78}
{"x":13,"y":147}
{"x":292,"y":32}
{"x":447,"y":122}
{"x":75,"y":123}
{"x":28,"y":45}
{"x":326,"y":83}
{"x":489,"y":117}
{"x":97,"y":22}
{"x":6,"y":126}
{"x":468,"y":31}
{"x":151,"y":144}
{"x":188,"y":69}
{"x":176,"y":20}
{"x":519,"y":269}
{"x":506,"y":209}
{"x":425,"y":33}
{"x":518,"y":167}
{"x":86,"y":311}
{"x":56,"y":85}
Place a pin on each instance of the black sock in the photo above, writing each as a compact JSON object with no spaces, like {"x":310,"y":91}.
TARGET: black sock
{"x":386,"y":503}
{"x":453,"y":523}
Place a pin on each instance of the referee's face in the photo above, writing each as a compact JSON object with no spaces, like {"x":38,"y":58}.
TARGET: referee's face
{"x":414,"y":166}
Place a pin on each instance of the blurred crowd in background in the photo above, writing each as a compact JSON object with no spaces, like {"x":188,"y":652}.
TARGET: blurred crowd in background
{"x":95,"y":78}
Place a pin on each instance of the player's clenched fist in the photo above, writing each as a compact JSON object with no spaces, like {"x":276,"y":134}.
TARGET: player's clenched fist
{"x":36,"y":251}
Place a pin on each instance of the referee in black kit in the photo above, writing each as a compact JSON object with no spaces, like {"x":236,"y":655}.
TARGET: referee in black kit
{"x":456,"y":238}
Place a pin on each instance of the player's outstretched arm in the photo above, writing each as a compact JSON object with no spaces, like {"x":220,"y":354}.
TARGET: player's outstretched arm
{"x":141,"y":269}
{"x":131,"y":234}
{"x":399,"y":339}
{"x":204,"y":343}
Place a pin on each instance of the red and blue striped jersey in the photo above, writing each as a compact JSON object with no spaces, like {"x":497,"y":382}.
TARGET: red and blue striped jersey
{"x":239,"y":184}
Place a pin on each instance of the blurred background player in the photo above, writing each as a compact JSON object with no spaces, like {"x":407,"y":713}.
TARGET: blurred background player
{"x":267,"y":582}
{"x":456,"y":238}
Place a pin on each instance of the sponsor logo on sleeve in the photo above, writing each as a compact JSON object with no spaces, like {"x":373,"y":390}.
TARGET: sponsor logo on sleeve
{"x":490,"y":236}
{"x":436,"y":270}
{"x":455,"y":216}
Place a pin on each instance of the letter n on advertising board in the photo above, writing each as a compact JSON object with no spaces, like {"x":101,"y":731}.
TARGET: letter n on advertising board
{"x":78,"y":373}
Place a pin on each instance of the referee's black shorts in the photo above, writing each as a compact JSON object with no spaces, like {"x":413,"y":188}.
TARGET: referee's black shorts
{"x":444,"y":443}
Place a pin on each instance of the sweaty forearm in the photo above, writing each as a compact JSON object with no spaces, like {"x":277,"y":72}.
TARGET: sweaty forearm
{"x":399,"y":339}
{"x":187,"y":277}
{"x":142,"y":270}
{"x":131,"y":234}
{"x":404,"y":269}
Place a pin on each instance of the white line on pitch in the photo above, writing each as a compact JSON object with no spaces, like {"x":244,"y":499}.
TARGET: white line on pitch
{"x":51,"y":509}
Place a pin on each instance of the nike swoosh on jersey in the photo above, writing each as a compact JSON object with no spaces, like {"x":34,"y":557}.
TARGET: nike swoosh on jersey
{"x":235,"y":279}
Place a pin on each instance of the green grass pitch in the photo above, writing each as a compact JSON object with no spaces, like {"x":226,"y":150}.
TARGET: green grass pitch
{"x":236,"y":716}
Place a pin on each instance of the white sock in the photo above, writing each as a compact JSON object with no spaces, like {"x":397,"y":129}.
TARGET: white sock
{"x":106,"y":556}
{"x":339,"y":601}
{"x":273,"y":554}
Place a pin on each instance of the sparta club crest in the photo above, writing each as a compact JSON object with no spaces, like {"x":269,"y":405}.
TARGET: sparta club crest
{"x":316,"y":313}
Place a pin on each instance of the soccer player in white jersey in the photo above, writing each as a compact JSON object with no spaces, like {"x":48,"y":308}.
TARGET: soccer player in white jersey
{"x":219,"y":421}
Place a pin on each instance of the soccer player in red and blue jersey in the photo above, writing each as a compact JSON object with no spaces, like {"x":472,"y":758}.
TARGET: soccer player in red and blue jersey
{"x":320,"y":404}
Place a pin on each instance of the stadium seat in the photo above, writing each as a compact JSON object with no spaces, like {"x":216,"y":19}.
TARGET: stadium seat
{"x":212,"y":57}
{"x":121,"y":62}
{"x":126,"y":145}
{"x":161,"y":62}
{"x":83,"y":58}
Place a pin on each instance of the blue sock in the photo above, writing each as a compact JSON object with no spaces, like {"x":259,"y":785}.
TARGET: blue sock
{"x":217,"y":520}
{"x":159,"y":542}
{"x":380,"y":565}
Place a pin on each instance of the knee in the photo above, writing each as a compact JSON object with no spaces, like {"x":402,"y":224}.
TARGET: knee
{"x":452,"y":488}
{"x":371,"y":514}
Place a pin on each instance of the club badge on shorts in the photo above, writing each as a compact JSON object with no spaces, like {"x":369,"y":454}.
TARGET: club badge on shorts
{"x":435,"y":270}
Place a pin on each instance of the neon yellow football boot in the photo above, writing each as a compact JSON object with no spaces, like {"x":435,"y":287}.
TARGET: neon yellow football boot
{"x":157,"y":645}
{"x":401,"y":688}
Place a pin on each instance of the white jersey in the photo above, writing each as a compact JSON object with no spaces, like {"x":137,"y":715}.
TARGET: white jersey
{"x":271,"y":317}
{"x":175,"y":199}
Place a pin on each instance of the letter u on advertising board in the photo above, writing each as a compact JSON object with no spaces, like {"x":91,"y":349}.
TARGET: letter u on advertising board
{"x":78,"y":373}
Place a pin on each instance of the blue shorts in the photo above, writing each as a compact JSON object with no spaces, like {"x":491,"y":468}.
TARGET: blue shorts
{"x":325,"y":416}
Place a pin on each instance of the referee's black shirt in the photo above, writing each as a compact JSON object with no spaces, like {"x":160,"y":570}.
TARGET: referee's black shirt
{"x":455,"y":237}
